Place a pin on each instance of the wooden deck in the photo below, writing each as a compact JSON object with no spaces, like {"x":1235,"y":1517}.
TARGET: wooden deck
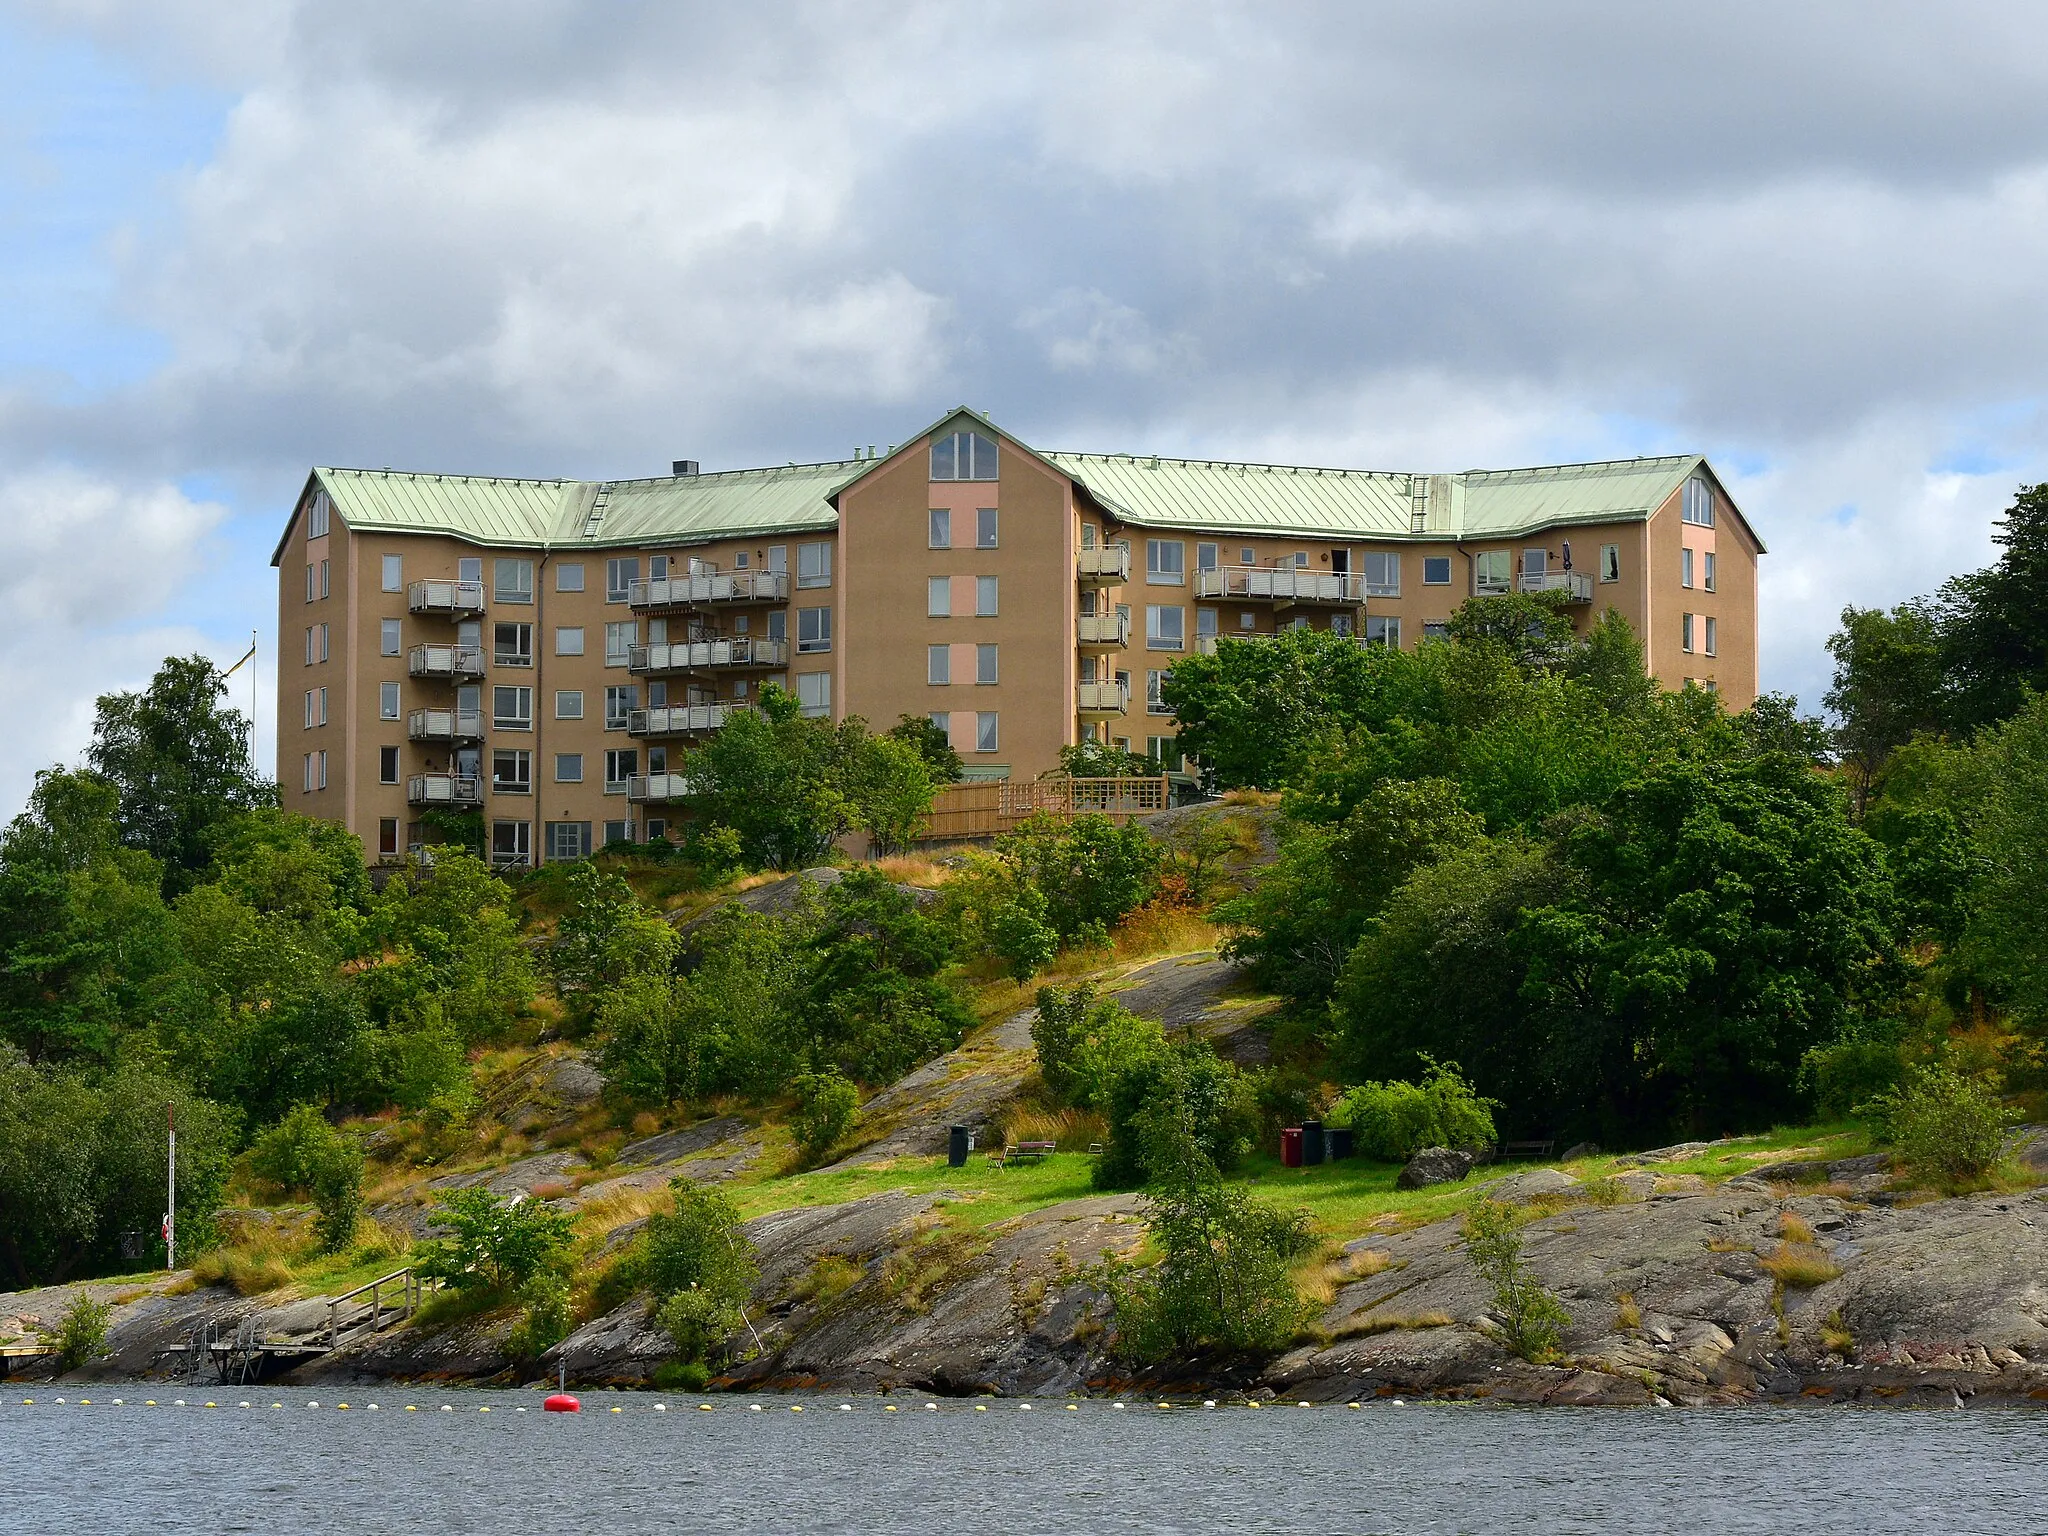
{"x":985,"y":808}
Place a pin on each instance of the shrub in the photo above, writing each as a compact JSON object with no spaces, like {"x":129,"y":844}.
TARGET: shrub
{"x":700,"y":1263}
{"x":825,"y":1107}
{"x":1531,"y":1319}
{"x":1849,"y":1074}
{"x":698,"y":1321}
{"x":1002,"y":916}
{"x":82,"y":1331}
{"x":1948,"y":1127}
{"x":1091,"y":872}
{"x":544,"y":1322}
{"x":493,"y":1241}
{"x":1183,"y":1084}
{"x":1085,"y":1043}
{"x":1394,"y":1121}
{"x":303,"y":1153}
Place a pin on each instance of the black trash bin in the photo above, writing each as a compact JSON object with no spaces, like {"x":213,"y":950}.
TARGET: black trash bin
{"x":959,"y":1142}
{"x":1311,"y":1143}
{"x":1337,"y":1142}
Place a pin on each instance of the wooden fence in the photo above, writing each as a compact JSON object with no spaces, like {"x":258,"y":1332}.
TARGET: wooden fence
{"x":981,"y":808}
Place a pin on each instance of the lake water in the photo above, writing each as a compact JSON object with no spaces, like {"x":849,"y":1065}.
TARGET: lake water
{"x":102,"y":1468}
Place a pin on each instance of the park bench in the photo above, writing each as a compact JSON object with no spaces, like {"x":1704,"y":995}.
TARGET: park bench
{"x":1527,"y":1149}
{"x":1023,"y":1152}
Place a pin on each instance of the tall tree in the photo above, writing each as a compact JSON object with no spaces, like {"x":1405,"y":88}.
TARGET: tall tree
{"x":1888,"y":685}
{"x":1994,"y":622}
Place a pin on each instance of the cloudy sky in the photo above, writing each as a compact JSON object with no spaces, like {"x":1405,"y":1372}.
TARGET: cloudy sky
{"x":239,"y":237}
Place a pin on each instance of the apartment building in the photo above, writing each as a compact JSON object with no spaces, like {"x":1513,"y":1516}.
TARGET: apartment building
{"x":547,"y":652}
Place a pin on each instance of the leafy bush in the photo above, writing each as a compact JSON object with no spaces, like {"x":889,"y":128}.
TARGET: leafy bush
{"x":545,"y":1316}
{"x":1394,"y":1121}
{"x":1850,"y":1074}
{"x":493,"y":1241}
{"x":1085,"y":1043}
{"x":303,"y":1153}
{"x":1948,"y":1127}
{"x":1091,"y":872}
{"x":1186,"y":1085}
{"x":1001,"y":915}
{"x":1531,"y":1319}
{"x":701,"y":1264}
{"x":825,"y":1106}
{"x":82,"y":1331}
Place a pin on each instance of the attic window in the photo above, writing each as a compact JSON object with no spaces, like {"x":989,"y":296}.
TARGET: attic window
{"x":1699,"y":503}
{"x":316,"y":516}
{"x":963,"y":456}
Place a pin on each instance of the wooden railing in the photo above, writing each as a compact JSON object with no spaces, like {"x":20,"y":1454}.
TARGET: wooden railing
{"x":985,"y":807}
{"x":412,"y":1291}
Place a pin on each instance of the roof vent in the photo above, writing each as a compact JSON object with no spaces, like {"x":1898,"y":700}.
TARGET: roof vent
{"x":681,"y":467}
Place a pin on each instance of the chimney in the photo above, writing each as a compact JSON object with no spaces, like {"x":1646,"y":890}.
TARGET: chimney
{"x":682,"y":467}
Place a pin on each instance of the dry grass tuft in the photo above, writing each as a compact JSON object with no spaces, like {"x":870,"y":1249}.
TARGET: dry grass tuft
{"x":1365,"y":1263}
{"x":1728,"y":1245}
{"x":915,"y":869}
{"x":1627,"y":1315}
{"x":1389,"y":1322}
{"x":1074,"y":1130}
{"x":831,"y":1276}
{"x":1836,"y":1338}
{"x":1799,"y":1266}
{"x":610,"y":1212}
{"x":1794,"y":1228}
{"x":245,"y":1273}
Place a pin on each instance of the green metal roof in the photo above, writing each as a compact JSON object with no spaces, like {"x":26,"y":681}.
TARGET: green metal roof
{"x":1189,"y":495}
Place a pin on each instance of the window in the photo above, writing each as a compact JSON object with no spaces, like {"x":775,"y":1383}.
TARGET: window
{"x":568,"y":703}
{"x":941,"y":534}
{"x":984,"y":527}
{"x":618,"y":832}
{"x":1247,"y":556}
{"x":620,"y":764}
{"x":390,"y":637}
{"x":1710,"y":636}
{"x":512,"y":581}
{"x":1340,"y":623}
{"x":511,"y":842}
{"x":657,"y":829}
{"x":1165,"y":562}
{"x":1610,"y":562}
{"x":387,"y":765}
{"x":1385,"y":632}
{"x":1246,"y":619}
{"x":308,"y":721}
{"x":619,"y":703}
{"x":964,"y":456}
{"x":984,"y":664}
{"x":1382,"y":574}
{"x":312,"y":581}
{"x":1205,"y":557}
{"x":321,"y":760}
{"x":568,"y":840}
{"x":511,"y":771}
{"x":1436,"y":631}
{"x":814,"y":565}
{"x":938,"y":597}
{"x":323,"y":642}
{"x":568,"y":640}
{"x":1493,"y":571}
{"x":1708,"y":559}
{"x":394,"y":573}
{"x":619,"y":640}
{"x":316,"y":516}
{"x":387,"y":837}
{"x":1205,"y":623}
{"x":324,"y":565}
{"x":814,"y":629}
{"x":470,"y":568}
{"x":1164,"y":754}
{"x":1685,"y":632}
{"x":1698,"y":506}
{"x":512,"y":645}
{"x":569,"y":576}
{"x":1436,"y":570}
{"x":619,"y":576}
{"x":778,"y":624}
{"x":1685,"y":567}
{"x":306,"y":763}
{"x":984,"y":597}
{"x":985,"y":732}
{"x":1154,"y":705}
{"x":568,"y":767}
{"x":512,"y":708}
{"x":942,"y":720}
{"x":778,"y":559}
{"x":1087,"y":535}
{"x":814,"y":693}
{"x":387,"y":701}
{"x":657,"y":567}
{"x":938,"y":664}
{"x":320,"y":706}
{"x":1163,"y":630}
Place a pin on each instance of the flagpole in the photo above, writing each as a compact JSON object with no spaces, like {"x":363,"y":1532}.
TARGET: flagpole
{"x":171,"y":1209}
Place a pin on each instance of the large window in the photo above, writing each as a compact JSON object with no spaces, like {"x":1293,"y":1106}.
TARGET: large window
{"x":394,"y":573}
{"x":568,"y":840}
{"x":940,"y":535}
{"x":986,"y":736}
{"x":568,"y":767}
{"x":1155,"y":680}
{"x":387,"y":837}
{"x":316,"y":516}
{"x":619,"y":703}
{"x":512,"y":581}
{"x":1698,"y":505}
{"x":1382,"y":574}
{"x":938,"y":664}
{"x":1493,"y":571}
{"x":964,"y":456}
{"x":569,"y":576}
{"x":512,"y":645}
{"x":984,"y":527}
{"x":984,"y":597}
{"x":1205,"y":557}
{"x":1436,"y":570}
{"x":814,"y":629}
{"x":619,"y":576}
{"x":620,"y":764}
{"x":511,"y":771}
{"x":568,"y":703}
{"x":1165,"y":562}
{"x":1385,"y":632}
{"x":985,"y":664}
{"x":390,"y":637}
{"x":511,"y":842}
{"x":938,"y":597}
{"x":568,"y":640}
{"x":814,"y":693}
{"x":512,"y":708}
{"x":619,"y":640}
{"x":1165,"y":628}
{"x":814,"y":565}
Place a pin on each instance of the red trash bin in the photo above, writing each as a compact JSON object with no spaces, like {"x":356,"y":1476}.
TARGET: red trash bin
{"x":1290,"y":1147}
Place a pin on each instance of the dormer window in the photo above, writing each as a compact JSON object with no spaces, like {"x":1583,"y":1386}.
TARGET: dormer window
{"x":964,"y":456}
{"x":1699,"y":503}
{"x":316,"y":515}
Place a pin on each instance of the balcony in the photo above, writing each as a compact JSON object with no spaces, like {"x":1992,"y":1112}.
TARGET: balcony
{"x":1284,"y":585}
{"x":447,"y":599}
{"x":660,"y":788}
{"x":454,"y":662}
{"x":1103,"y":699}
{"x":456,"y":789}
{"x":1109,"y":566}
{"x":1105,"y":631}
{"x":735,"y":654}
{"x":1577,"y":586}
{"x":680,"y":719}
{"x":444,"y":725}
{"x":717,"y":588}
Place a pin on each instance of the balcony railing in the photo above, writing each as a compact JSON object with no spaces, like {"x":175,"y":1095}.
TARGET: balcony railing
{"x":444,"y":725}
{"x":1107,"y":566}
{"x":451,"y":599}
{"x":444,"y":789}
{"x":1577,"y":586}
{"x":1284,"y":584}
{"x":709,"y":587}
{"x":1105,"y":631}
{"x":453,"y":661}
{"x":680,"y":719}
{"x":660,"y":788}
{"x":1104,"y":698}
{"x":708,"y":655}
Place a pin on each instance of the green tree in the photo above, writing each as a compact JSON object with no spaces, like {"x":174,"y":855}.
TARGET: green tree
{"x":448,"y":935}
{"x":876,"y":1006}
{"x":302,"y":1153}
{"x":1531,"y":1320}
{"x":1531,"y":628}
{"x":931,"y":743}
{"x":179,"y":762}
{"x":1608,"y":663}
{"x":1950,"y":1128}
{"x":1994,"y":622}
{"x":1888,"y":685}
{"x":778,"y":779}
{"x":1091,"y":872}
{"x":826,"y":1103}
{"x":1250,"y":711}
{"x":1186,"y":1084}
{"x":890,"y":785}
{"x":700,"y":1265}
{"x":1086,"y":1043}
{"x":1100,"y":760}
{"x":1394,"y":1121}
{"x":493,"y":1241}
{"x":606,"y":939}
{"x":82,"y":1331}
{"x":2006,"y":936}
{"x":1000,"y":915}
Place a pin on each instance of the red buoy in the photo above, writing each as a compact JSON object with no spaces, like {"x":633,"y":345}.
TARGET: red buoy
{"x":561,"y":1402}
